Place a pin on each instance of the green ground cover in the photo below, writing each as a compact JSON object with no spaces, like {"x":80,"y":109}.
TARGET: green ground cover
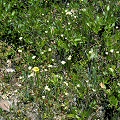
{"x":60,"y":60}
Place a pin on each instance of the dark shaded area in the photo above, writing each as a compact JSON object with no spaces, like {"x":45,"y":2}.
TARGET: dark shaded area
{"x":11,"y":37}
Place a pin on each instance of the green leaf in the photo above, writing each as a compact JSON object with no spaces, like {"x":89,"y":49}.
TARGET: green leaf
{"x":108,"y":8}
{"x":118,"y":109}
{"x":73,"y":116}
{"x":113,"y":101}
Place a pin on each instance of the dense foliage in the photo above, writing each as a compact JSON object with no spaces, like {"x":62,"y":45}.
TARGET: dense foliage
{"x":73,"y":47}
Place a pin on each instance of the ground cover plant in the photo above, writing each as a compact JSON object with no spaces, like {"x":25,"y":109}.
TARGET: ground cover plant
{"x":60,"y":60}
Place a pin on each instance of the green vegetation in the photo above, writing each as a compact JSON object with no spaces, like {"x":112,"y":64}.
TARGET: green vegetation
{"x":60,"y":60}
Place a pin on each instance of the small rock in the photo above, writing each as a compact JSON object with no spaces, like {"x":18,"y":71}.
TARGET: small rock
{"x":5,"y":105}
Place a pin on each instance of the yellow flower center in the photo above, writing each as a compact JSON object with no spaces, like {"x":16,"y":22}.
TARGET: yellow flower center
{"x":35,"y":69}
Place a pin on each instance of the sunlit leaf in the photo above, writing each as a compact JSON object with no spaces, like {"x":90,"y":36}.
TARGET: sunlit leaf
{"x":102,"y":85}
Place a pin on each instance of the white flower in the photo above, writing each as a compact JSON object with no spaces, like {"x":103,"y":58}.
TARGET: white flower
{"x":75,"y":17}
{"x":50,"y":66}
{"x":78,"y":85}
{"x":49,"y":49}
{"x":68,"y":12}
{"x":63,"y":62}
{"x":63,"y":105}
{"x":103,"y":13}
{"x":68,"y":23}
{"x":87,"y":81}
{"x":65,"y":83}
{"x":46,"y":31}
{"x":57,"y":76}
{"x":43,"y":97}
{"x":91,"y":51}
{"x":53,"y":60}
{"x":30,"y":67}
{"x":90,"y":85}
{"x":10,"y":70}
{"x":118,"y":84}
{"x":69,"y":58}
{"x":66,"y":93}
{"x":92,"y":54}
{"x":47,"y":88}
{"x":45,"y":70}
{"x":33,"y":57}
{"x":106,"y":53}
{"x":111,"y":69}
{"x":42,"y":53}
{"x":117,"y":52}
{"x":62,"y":35}
{"x":68,"y":4}
{"x":9,"y":63}
{"x":112,"y":50}
{"x":31,"y":75}
{"x":93,"y":90}
{"x":20,"y":38}
{"x":20,"y":77}
{"x":19,"y":85}
{"x":19,"y":51}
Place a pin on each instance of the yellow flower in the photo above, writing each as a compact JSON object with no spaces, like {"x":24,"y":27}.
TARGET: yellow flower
{"x":35,"y":69}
